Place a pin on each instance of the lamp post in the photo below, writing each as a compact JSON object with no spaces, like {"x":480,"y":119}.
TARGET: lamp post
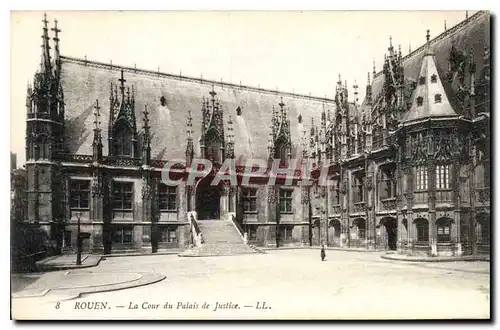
{"x":78,"y":241}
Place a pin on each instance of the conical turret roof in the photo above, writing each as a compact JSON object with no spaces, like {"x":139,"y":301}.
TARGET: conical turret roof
{"x":429,"y":98}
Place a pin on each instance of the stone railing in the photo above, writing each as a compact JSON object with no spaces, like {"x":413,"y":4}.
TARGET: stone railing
{"x":195,"y":230}
{"x":388,"y":204}
{"x":336,"y":209}
{"x":72,"y":158}
{"x":122,"y":161}
{"x":232,"y":218}
{"x":359,"y":207}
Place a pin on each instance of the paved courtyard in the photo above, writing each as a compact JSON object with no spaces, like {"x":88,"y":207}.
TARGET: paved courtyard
{"x":280,"y":284}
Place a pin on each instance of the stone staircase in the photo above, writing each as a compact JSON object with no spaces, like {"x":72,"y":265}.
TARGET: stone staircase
{"x":220,"y":238}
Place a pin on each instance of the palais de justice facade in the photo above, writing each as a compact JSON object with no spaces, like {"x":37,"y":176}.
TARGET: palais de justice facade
{"x":410,"y":162}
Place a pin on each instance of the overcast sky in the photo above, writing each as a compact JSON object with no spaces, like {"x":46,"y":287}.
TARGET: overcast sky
{"x":300,"y":52}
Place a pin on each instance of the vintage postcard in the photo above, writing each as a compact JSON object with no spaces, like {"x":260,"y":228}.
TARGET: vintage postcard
{"x":250,"y":165}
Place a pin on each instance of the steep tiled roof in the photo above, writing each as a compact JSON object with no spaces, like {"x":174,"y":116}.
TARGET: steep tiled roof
{"x":473,"y":33}
{"x":429,"y":98}
{"x":84,"y":82}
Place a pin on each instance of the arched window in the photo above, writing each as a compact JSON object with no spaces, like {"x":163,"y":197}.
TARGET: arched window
{"x":442,"y":176}
{"x":443,"y":227}
{"x":422,"y":226}
{"x":123,"y":144}
{"x":420,"y":178}
{"x":361,"y":227}
{"x":282,"y":152}
{"x":213,"y":150}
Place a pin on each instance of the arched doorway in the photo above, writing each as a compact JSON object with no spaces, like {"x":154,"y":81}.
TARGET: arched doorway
{"x":334,"y":232}
{"x":358,"y":230}
{"x":443,"y":228}
{"x":316,"y":233}
{"x":422,"y":231}
{"x":483,"y":228}
{"x":207,"y":200}
{"x":391,"y":232}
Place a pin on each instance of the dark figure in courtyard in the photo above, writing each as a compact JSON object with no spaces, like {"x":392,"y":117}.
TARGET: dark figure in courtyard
{"x":323,"y":254}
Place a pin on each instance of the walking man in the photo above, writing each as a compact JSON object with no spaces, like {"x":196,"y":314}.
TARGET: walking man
{"x":323,"y":254}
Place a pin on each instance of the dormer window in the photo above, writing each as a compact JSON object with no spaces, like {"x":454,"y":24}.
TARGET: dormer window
{"x":238,"y":111}
{"x":437,"y":98}
{"x":433,"y":79}
{"x":420,"y":101}
{"x":421,"y":80}
{"x":163,"y":101}
{"x":299,"y":118}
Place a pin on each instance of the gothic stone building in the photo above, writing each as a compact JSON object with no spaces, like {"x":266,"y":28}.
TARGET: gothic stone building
{"x":410,"y":162}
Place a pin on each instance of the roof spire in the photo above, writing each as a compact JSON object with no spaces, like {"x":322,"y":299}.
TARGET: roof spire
{"x":46,"y":67}
{"x":445,"y":25}
{"x":374,"y":70}
{"x":368,"y":81}
{"x":428,"y":44}
{"x":97,"y":114}
{"x":122,"y":84}
{"x":429,"y":99}
{"x":57,"y":63}
{"x":409,"y":47}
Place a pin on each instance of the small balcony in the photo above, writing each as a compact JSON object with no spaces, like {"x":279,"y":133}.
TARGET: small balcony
{"x":388,"y":204}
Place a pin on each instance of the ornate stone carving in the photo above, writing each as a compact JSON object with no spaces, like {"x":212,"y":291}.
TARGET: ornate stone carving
{"x":336,"y":209}
{"x":271,"y":194}
{"x":389,"y":204}
{"x":97,"y":185}
{"x":146,"y":185}
{"x":304,"y":195}
{"x":359,"y":207}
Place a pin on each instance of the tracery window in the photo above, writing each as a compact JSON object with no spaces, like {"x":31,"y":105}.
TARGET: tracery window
{"x":433,"y":78}
{"x":358,"y":184}
{"x":123,"y":145}
{"x":443,"y":176}
{"x":388,"y":184}
{"x":420,"y":178}
{"x":437,"y":98}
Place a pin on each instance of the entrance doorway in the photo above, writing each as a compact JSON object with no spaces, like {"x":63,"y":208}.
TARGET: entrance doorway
{"x":391,"y":229}
{"x":208,"y":202}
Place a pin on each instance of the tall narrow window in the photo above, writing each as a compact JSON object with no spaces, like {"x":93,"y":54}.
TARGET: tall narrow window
{"x":282,"y":153}
{"x":433,"y":78}
{"x":286,"y":201}
{"x":123,"y":194}
{"x":336,"y":192}
{"x":437,"y":98}
{"x":388,"y":184}
{"x":443,"y":177}
{"x":358,"y":182}
{"x":123,"y":144}
{"x":250,"y":200}
{"x":213,"y":150}
{"x":421,"y":178}
{"x":167,"y":197}
{"x":79,"y":194}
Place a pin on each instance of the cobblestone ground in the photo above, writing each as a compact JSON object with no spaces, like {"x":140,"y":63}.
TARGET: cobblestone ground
{"x":291,"y":284}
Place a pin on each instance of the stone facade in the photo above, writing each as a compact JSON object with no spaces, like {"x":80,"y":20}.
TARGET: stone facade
{"x":407,"y":175}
